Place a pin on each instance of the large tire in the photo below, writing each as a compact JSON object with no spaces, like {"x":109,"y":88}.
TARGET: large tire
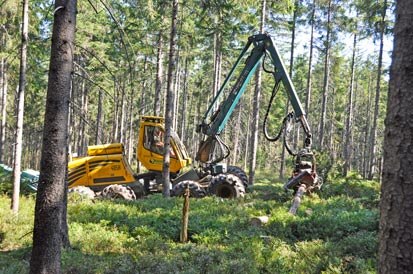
{"x":118,"y":192}
{"x":240,"y":173}
{"x":195,"y":189}
{"x":138,"y":188}
{"x":83,"y":191}
{"x":227,"y":186}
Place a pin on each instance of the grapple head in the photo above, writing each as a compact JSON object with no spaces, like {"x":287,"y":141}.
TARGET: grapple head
{"x":304,"y":171}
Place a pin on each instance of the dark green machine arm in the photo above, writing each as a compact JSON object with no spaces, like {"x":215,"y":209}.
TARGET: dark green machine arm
{"x":214,"y":121}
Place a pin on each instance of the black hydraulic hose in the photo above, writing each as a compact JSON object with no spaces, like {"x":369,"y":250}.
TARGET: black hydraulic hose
{"x":290,"y":118}
{"x":287,"y":119}
{"x":265,"y":128}
{"x":289,"y":150}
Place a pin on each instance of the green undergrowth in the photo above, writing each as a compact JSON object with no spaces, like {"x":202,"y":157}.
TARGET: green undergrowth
{"x":334,"y":231}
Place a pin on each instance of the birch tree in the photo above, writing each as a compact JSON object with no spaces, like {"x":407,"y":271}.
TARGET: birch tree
{"x":20,"y":109}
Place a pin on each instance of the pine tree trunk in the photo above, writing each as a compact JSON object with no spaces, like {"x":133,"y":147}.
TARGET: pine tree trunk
{"x":373,"y":135}
{"x":50,"y":227}
{"x":237,"y":133}
{"x":169,"y":117}
{"x":184,"y":105}
{"x":3,"y":88}
{"x":326,"y":78}
{"x":349,"y":120}
{"x":99,"y":119}
{"x":177,"y":87}
{"x":217,"y":61}
{"x":292,"y":46}
{"x":121,"y":134}
{"x":115,"y":118}
{"x":330,"y":145}
{"x":84,"y":115}
{"x":366,"y":130}
{"x":310,"y":62}
{"x":396,"y":206}
{"x":256,"y":111}
{"x":131,"y":129}
{"x":159,"y":75}
{"x":20,"y":109}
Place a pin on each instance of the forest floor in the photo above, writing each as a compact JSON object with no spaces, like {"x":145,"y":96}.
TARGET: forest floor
{"x":334,"y":231}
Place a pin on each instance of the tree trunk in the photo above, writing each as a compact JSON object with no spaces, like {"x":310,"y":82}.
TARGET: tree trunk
{"x":310,"y":62}
{"x":159,"y":76}
{"x":396,"y":207}
{"x":292,"y":46}
{"x":349,"y":120}
{"x":373,"y":135}
{"x":20,"y":109}
{"x":3,"y":88}
{"x":85,"y":100}
{"x":177,"y":87}
{"x":169,"y":117}
{"x":217,"y":61}
{"x":115,"y":122}
{"x":50,"y":228}
{"x":121,"y":134}
{"x":326,"y":78}
{"x":184,"y":108}
{"x":256,"y":111}
{"x":366,"y":131}
{"x":237,"y":133}
{"x":131,"y":129}
{"x":99,"y":119}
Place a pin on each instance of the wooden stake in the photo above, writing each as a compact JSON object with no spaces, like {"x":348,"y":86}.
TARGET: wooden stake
{"x":185,"y":217}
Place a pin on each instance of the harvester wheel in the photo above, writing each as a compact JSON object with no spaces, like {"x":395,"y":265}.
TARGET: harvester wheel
{"x":138,"y":188}
{"x":118,"y":192}
{"x":83,"y":191}
{"x":195,"y":189}
{"x":227,"y":186}
{"x":240,"y":173}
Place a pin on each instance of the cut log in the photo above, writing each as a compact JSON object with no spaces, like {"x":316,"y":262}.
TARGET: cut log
{"x":297,"y":199}
{"x":259,"y":221}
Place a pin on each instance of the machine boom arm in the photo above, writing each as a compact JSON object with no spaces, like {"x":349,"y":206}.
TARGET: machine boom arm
{"x":215,"y":119}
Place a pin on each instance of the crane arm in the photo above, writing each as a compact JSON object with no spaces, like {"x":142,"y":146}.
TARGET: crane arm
{"x":216,"y":117}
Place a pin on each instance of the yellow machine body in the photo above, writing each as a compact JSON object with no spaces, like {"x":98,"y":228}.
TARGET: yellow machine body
{"x":104,"y":165}
{"x":150,"y":146}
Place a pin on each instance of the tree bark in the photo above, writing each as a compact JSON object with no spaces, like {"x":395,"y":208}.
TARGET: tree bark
{"x":310,"y":62}
{"x":20,"y":109}
{"x":3,"y":87}
{"x":396,"y":207}
{"x":349,"y":119}
{"x":237,"y":133}
{"x":184,"y":106}
{"x":169,"y":117}
{"x":326,"y":78}
{"x":292,"y":46}
{"x":99,"y":119}
{"x":256,"y":111}
{"x":50,"y":228}
{"x":159,"y":75}
{"x":373,"y":135}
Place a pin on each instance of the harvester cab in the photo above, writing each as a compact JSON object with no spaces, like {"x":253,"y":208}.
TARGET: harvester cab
{"x":151,"y":147}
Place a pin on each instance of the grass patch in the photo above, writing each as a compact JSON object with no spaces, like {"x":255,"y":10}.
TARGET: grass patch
{"x":335,"y":231}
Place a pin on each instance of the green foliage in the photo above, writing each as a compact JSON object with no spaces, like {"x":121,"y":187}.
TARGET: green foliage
{"x":334,"y":231}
